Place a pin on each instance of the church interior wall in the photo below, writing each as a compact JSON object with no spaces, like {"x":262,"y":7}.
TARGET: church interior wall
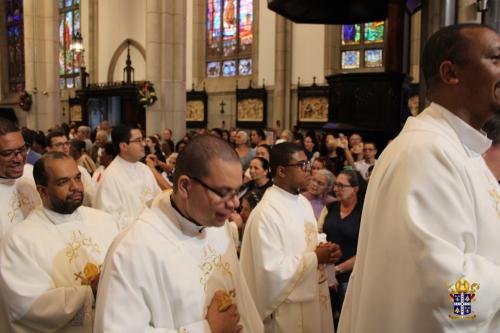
{"x":267,"y":47}
{"x":308,"y":49}
{"x":128,"y":20}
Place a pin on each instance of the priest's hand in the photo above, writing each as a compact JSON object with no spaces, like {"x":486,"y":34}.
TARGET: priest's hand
{"x":223,"y":321}
{"x":328,"y":253}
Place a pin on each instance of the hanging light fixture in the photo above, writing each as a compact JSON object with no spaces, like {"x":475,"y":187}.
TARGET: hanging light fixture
{"x":77,"y":43}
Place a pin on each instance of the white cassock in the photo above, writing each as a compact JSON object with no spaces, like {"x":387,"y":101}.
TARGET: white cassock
{"x":125,"y":189}
{"x":280,"y":265}
{"x":18,"y":197}
{"x":160,"y":275}
{"x":431,"y":216}
{"x":46,"y":262}
{"x":88,"y":187}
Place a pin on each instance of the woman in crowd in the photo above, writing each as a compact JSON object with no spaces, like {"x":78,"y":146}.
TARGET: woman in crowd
{"x":341,"y":226}
{"x":310,"y":147}
{"x":318,"y":191}
{"x":243,"y":149}
{"x":77,"y":151}
{"x":321,"y":163}
{"x":257,"y":136}
{"x":263,"y":151}
{"x":259,"y":174}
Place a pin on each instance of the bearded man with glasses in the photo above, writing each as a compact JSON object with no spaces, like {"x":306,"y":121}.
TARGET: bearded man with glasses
{"x":17,"y":189}
{"x":176,"y":269}
{"x":280,"y":254}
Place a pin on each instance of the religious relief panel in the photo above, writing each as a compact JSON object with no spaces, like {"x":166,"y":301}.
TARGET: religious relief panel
{"x":196,"y":108}
{"x":251,"y":107}
{"x":313,"y":105}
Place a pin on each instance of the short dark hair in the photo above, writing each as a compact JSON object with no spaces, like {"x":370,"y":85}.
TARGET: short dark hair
{"x":260,"y":133}
{"x":54,"y":134}
{"x":7,"y":126}
{"x":263,"y":162}
{"x":281,"y":154}
{"x":119,"y":134}
{"x":448,"y":43}
{"x":78,"y":145}
{"x":109,"y":149}
{"x":39,"y":172}
{"x":355,"y":179}
{"x":492,"y":129}
{"x":194,"y":159}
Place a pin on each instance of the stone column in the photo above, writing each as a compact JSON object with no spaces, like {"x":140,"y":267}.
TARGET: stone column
{"x":166,"y":64}
{"x":448,"y":12}
{"x":492,"y":16}
{"x":282,"y":74}
{"x":41,"y":42}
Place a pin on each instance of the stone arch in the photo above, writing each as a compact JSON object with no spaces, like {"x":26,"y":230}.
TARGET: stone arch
{"x":120,"y":49}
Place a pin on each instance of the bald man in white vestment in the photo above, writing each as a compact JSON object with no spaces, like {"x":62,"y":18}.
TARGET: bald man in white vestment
{"x":176,"y":268}
{"x":428,"y":257}
{"x":280,"y":255}
{"x":50,"y":263}
{"x":18,"y":195}
{"x":127,"y":185}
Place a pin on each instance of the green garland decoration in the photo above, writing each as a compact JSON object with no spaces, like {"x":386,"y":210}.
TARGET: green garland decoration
{"x":146,"y":95}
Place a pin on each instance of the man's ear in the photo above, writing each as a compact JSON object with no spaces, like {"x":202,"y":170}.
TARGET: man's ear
{"x":183,"y":186}
{"x":42,"y":190}
{"x":448,"y":73}
{"x":281,"y":172}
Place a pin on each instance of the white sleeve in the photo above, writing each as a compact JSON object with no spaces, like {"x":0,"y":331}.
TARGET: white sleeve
{"x":109,"y":200}
{"x":31,"y":297}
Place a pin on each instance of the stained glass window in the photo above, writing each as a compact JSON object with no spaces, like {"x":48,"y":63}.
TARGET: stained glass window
{"x":351,"y":34}
{"x":69,"y":24}
{"x":373,"y":58}
{"x":15,"y":44}
{"x":374,"y":32}
{"x":229,"y":37}
{"x":361,"y":45}
{"x":350,"y":59}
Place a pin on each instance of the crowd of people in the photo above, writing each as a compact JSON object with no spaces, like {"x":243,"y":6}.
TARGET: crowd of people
{"x":109,"y":230}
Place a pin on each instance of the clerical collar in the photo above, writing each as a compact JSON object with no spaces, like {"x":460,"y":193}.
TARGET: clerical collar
{"x":198,"y":226}
{"x":57,"y":218}
{"x":7,"y":181}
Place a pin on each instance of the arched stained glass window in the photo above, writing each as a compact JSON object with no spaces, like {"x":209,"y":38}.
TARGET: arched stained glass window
{"x":15,"y":44}
{"x":362,"y":45}
{"x":69,"y":24}
{"x":229,"y":37}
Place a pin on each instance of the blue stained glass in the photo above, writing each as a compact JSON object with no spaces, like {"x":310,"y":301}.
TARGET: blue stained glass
{"x":62,"y":83}
{"x":373,"y":58}
{"x":61,"y":3}
{"x":69,"y":82}
{"x":229,"y":68}
{"x":68,"y":3}
{"x":245,"y":67}
{"x":351,"y":34}
{"x":15,"y":43}
{"x":350,"y":59}
{"x":213,"y":69}
{"x":213,"y":24}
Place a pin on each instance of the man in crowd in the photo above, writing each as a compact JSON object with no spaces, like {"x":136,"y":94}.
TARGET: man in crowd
{"x":176,"y":268}
{"x":101,"y":138}
{"x":369,"y":153}
{"x":280,"y":253}
{"x":83,"y":134}
{"x":18,"y":196}
{"x":127,"y":185}
{"x":50,"y":263}
{"x":58,"y":141}
{"x":427,"y":258}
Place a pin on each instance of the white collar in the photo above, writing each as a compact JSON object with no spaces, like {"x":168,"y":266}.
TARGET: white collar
{"x":57,"y":218}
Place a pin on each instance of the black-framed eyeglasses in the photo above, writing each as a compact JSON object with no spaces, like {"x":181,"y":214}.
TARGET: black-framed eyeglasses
{"x":61,"y":144}
{"x":303,"y":165}
{"x":137,"y":140}
{"x":11,"y":153}
{"x":223,"y":195}
{"x":341,"y":186}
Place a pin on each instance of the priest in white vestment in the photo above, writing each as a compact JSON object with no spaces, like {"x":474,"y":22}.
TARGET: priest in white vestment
{"x":428,"y":257}
{"x":50,"y":263}
{"x":127,"y":185}
{"x":280,"y":253}
{"x":18,"y":195}
{"x":176,"y":269}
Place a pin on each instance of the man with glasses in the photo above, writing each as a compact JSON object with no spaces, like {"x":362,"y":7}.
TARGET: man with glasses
{"x":280,"y":254}
{"x":127,"y":185}
{"x":18,"y":195}
{"x":369,"y":153}
{"x":176,"y":269}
